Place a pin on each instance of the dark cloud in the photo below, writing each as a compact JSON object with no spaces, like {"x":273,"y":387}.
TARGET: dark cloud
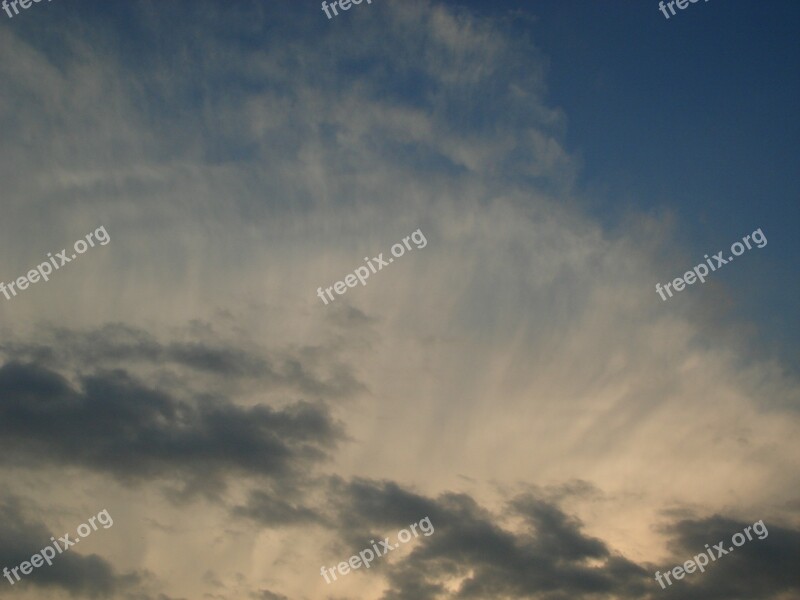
{"x":83,"y":576}
{"x":761,"y":569}
{"x":112,"y":423}
{"x":272,"y":510}
{"x":550,"y":558}
{"x":117,"y":344}
{"x":366,"y":503}
{"x":53,"y":413}
{"x":556,"y":531}
{"x":533,"y":549}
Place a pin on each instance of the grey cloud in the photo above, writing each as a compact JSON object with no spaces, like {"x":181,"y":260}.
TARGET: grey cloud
{"x":552,"y":559}
{"x":118,"y":343}
{"x":114,"y":424}
{"x":354,"y":508}
{"x":272,"y":510}
{"x":83,"y":576}
{"x":556,"y":531}
{"x":552,"y":556}
{"x":761,"y":569}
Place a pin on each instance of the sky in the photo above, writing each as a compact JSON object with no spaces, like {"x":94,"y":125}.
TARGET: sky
{"x":500,"y":187}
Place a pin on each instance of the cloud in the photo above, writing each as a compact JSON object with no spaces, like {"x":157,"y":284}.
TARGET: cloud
{"x":114,"y":424}
{"x":760,"y":568}
{"x":270,"y":510}
{"x":85,"y":576}
{"x":475,"y":553}
{"x":115,"y":344}
{"x":535,"y":549}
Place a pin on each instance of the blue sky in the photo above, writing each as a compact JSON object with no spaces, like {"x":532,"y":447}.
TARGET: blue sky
{"x":695,"y":115}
